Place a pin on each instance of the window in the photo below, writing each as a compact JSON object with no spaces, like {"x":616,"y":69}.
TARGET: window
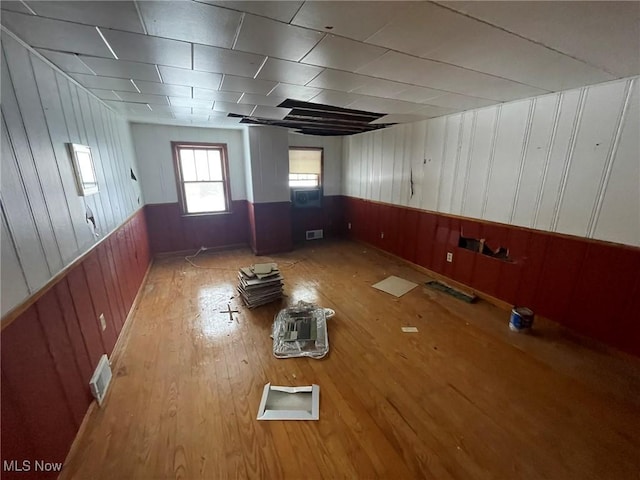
{"x":305,"y":167}
{"x":203,"y":178}
{"x":83,"y":168}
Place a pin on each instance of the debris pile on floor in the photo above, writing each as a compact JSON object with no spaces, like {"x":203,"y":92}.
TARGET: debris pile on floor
{"x":260,"y":284}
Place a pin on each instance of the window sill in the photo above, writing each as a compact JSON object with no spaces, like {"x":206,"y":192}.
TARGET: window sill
{"x":207,"y":214}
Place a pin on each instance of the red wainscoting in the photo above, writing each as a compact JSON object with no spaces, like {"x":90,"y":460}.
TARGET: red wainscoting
{"x":590,"y":286}
{"x":50,"y":351}
{"x":270,"y":227}
{"x":170,"y":231}
{"x":328,"y":218}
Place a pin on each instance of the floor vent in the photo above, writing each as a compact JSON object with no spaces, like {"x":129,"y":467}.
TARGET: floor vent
{"x":314,"y":234}
{"x":101,"y":379}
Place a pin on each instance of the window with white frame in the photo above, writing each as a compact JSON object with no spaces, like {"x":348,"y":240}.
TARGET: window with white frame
{"x":305,"y":167}
{"x":203,"y":178}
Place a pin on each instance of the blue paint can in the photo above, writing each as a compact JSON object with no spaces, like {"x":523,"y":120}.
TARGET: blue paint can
{"x":521,"y":319}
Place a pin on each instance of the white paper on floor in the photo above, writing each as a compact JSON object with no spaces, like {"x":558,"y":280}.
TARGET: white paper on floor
{"x":395,"y":286}
{"x":410,"y":329}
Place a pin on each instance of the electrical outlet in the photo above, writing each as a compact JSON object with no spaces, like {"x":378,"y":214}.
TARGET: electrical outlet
{"x":349,"y":225}
{"x":449,"y":257}
{"x":381,"y":234}
{"x":103,"y":322}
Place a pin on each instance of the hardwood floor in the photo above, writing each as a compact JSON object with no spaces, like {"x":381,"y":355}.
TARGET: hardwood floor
{"x":463,"y":398}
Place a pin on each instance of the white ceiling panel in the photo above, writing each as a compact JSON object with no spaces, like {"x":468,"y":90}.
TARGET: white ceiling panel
{"x":171,"y":109}
{"x":104,"y":83}
{"x":337,"y":80}
{"x":190,"y":102}
{"x":267,"y":101}
{"x":106,"y":94}
{"x":357,"y":20}
{"x":342,"y":53}
{"x":192,"y":118}
{"x":273,"y":113}
{"x":289,"y":72}
{"x":296,"y":92}
{"x":335,"y":98}
{"x":146,"y":49}
{"x":192,"y":78}
{"x":130,"y":107}
{"x":427,"y":73}
{"x":143,"y":98}
{"x":282,"y":11}
{"x":457,"y":101}
{"x":434,"y":111}
{"x":55,"y":35}
{"x":204,"y":94}
{"x":121,"y":16}
{"x":190,"y":22}
{"x":383,"y":105}
{"x":110,"y":67}
{"x":248,"y":85}
{"x":268,"y":37}
{"x":381,"y":88}
{"x":154,"y":88}
{"x":418,"y":94}
{"x":68,"y":62}
{"x":220,"y":60}
{"x":400,"y":118}
{"x":15,"y":6}
{"x":605,"y":34}
{"x":240,"y":109}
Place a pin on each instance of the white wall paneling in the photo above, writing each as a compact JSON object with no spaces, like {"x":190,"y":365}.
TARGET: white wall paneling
{"x":567,"y":162}
{"x":44,"y":224}
{"x":155,"y":158}
{"x":269,"y":164}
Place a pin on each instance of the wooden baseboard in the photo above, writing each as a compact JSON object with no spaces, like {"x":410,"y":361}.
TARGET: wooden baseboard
{"x":176,"y":253}
{"x":442,"y":278}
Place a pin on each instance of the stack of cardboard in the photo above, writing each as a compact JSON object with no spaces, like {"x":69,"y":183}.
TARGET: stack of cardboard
{"x":259,"y":284}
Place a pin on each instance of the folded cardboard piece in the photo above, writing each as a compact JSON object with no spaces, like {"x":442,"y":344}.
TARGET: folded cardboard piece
{"x":290,"y":403}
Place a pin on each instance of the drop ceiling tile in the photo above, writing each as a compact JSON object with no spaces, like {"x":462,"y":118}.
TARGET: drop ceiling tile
{"x":337,"y":80}
{"x":380,"y":88}
{"x":282,"y":11}
{"x":459,"y":102}
{"x":100,"y":13}
{"x":427,"y":73}
{"x":297,"y":92}
{"x":190,"y":22}
{"x":383,"y":105}
{"x":104,"y":83}
{"x":190,"y":102}
{"x":268,"y":37}
{"x":110,"y":67}
{"x":434,"y":111}
{"x":204,"y":94}
{"x":130,"y":107}
{"x":240,"y":109}
{"x":55,"y":34}
{"x":192,"y":118}
{"x":289,"y":72}
{"x":400,"y":118}
{"x":267,"y":101}
{"x":248,"y":85}
{"x":273,"y":113}
{"x":171,"y":109}
{"x":342,"y":53}
{"x":357,"y":20}
{"x":205,"y":111}
{"x":68,"y":62}
{"x":14,"y":6}
{"x":220,"y":60}
{"x":192,"y":78}
{"x":335,"y":98}
{"x":418,"y":94}
{"x":146,"y":49}
{"x":105,"y":94}
{"x":143,"y":98}
{"x":604,"y":34}
{"x":154,"y":88}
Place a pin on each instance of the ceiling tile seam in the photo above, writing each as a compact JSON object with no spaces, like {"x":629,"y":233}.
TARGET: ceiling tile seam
{"x":497,"y":27}
{"x":106,"y":43}
{"x":85,"y":65}
{"x":237,"y":34}
{"x":29,"y":8}
{"x":140,"y":17}
{"x":296,"y":14}
{"x":261,"y":67}
{"x":47,"y":62}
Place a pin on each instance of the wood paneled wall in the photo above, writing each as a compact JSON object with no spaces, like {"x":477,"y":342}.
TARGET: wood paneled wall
{"x":270,"y":227}
{"x":565,"y":162}
{"x":50,"y":351}
{"x":170,"y":231}
{"x":44,"y":226}
{"x":329,"y":218}
{"x":590,"y":286}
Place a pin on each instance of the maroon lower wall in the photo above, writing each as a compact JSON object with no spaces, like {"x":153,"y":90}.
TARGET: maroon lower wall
{"x":50,"y":351}
{"x":270,"y":227}
{"x":328,"y":218}
{"x":170,"y":231}
{"x":590,"y":286}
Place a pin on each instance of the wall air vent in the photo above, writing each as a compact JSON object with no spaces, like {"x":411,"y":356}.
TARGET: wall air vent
{"x":314,"y":234}
{"x":101,"y":379}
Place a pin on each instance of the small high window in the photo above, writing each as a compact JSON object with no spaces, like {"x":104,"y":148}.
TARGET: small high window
{"x":202,"y":172}
{"x":305,"y":167}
